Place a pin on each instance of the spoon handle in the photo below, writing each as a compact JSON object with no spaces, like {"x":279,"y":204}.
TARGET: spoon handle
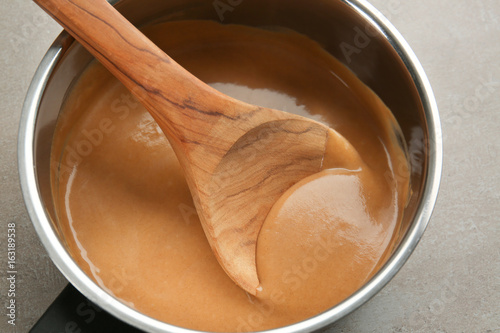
{"x":152,"y":76}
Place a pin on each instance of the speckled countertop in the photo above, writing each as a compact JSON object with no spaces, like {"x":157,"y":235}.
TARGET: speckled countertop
{"x":450,"y":284}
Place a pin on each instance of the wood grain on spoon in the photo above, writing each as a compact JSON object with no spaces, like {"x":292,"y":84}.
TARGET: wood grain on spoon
{"x":238,"y":158}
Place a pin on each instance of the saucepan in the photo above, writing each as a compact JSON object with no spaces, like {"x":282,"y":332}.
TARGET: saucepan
{"x":351,"y":30}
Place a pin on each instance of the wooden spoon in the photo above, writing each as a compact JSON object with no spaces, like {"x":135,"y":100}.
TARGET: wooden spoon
{"x":237,"y":158}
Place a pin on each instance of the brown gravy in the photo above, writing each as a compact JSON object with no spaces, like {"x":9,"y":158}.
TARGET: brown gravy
{"x":127,"y":216}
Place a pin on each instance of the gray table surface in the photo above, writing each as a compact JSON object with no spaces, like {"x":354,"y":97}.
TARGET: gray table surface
{"x":450,"y":284}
